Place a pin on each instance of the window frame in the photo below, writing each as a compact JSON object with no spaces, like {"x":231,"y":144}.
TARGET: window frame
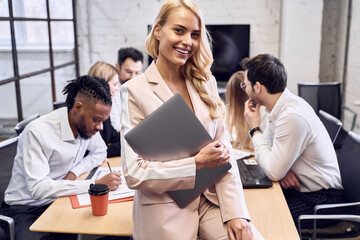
{"x":17,"y":77}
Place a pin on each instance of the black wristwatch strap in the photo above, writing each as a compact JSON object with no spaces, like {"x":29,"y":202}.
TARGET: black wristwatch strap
{"x":252,"y":131}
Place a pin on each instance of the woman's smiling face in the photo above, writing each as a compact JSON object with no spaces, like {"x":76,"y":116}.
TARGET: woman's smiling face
{"x":179,"y":37}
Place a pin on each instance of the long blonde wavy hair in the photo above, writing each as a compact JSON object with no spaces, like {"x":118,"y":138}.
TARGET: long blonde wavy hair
{"x":103,"y":70}
{"x":197,"y":67}
{"x":234,"y":118}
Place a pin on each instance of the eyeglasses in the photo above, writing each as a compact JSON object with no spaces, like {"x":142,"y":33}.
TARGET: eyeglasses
{"x":128,"y":71}
{"x":243,"y":85}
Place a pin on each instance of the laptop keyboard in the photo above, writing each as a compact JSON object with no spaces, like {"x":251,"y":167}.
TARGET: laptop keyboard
{"x":252,"y":175}
{"x":245,"y":173}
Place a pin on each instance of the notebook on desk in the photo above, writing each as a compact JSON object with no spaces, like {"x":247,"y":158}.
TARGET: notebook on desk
{"x":173,"y":131}
{"x":251,"y":174}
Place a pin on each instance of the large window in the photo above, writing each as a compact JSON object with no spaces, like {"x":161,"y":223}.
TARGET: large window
{"x":38,"y":54}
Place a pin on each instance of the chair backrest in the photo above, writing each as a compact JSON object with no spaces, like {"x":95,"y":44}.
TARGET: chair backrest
{"x":331,"y":123}
{"x":324,"y":96}
{"x":349,"y":164}
{"x":59,"y":104}
{"x":21,"y":125}
{"x":7,"y":155}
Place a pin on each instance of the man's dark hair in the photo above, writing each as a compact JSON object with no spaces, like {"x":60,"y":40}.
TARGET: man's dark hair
{"x":267,"y":70}
{"x":129,"y":52}
{"x":91,"y":87}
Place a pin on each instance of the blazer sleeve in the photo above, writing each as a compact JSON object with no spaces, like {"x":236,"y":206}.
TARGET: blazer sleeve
{"x":229,"y":188}
{"x":154,"y":176}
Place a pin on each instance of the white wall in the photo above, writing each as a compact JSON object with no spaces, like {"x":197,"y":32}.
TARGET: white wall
{"x":301,"y":40}
{"x":333,"y":40}
{"x":352,"y":87}
{"x":120,"y":23}
{"x":288,"y":29}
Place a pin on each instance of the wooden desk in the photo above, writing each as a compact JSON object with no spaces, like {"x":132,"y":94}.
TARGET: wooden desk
{"x":267,"y":207}
{"x":61,"y":217}
{"x":270,"y":214}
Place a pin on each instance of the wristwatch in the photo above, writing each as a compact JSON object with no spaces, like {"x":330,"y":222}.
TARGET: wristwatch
{"x":252,"y":131}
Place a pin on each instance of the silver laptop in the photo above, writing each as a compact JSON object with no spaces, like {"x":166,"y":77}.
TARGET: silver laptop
{"x":173,"y":132}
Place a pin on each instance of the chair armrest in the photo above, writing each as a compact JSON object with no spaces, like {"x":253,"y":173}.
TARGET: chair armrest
{"x":354,"y":114}
{"x":343,"y":217}
{"x":7,"y":219}
{"x":335,"y":205}
{"x":11,"y":223}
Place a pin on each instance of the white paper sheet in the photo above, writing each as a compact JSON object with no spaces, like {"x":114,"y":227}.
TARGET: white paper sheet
{"x":121,"y":192}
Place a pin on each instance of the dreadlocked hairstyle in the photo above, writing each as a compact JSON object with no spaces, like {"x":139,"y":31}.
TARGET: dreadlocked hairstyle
{"x":92,"y":87}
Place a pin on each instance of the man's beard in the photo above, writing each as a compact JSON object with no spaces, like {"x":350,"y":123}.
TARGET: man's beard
{"x":124,"y":81}
{"x":82,"y":133}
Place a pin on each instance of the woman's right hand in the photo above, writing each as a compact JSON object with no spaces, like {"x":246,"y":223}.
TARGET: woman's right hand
{"x":212,"y":155}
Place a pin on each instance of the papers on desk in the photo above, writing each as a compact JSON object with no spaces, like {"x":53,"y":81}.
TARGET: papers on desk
{"x":121,"y":194}
{"x":240,"y":154}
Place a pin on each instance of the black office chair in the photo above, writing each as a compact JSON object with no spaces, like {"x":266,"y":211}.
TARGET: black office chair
{"x":21,"y":125}
{"x":349,"y":225}
{"x":331,"y":123}
{"x":59,"y":104}
{"x":327,"y":97}
{"x":7,"y":155}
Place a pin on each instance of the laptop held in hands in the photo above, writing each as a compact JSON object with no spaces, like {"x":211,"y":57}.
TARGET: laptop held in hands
{"x":173,"y":131}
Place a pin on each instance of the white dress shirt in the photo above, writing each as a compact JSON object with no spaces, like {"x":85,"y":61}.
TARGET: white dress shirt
{"x":47,"y":150}
{"x":296,"y":139}
{"x":116,"y":112}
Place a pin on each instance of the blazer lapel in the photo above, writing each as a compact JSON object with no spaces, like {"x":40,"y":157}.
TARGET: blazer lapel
{"x":157,"y":83}
{"x":161,"y":90}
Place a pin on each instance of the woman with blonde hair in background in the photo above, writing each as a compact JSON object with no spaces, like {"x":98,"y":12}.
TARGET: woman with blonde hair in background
{"x":110,"y":136}
{"x":179,"y":44}
{"x":235,"y":121}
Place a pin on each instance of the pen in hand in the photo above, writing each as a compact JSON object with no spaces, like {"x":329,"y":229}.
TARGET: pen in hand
{"x":107,"y":161}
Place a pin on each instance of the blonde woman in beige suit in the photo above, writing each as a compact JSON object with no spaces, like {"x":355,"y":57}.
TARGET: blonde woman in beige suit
{"x":178,"y":43}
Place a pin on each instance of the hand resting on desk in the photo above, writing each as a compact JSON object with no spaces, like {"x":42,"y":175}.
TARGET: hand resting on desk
{"x":290,"y":181}
{"x":212,"y":155}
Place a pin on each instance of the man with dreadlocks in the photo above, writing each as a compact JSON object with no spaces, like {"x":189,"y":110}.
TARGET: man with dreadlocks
{"x":50,"y":155}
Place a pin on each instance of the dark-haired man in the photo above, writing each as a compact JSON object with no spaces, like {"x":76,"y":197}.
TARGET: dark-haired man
{"x":295,"y":147}
{"x":50,"y":154}
{"x":129,"y":64}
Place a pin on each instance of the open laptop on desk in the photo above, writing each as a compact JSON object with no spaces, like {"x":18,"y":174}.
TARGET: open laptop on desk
{"x":251,"y":174}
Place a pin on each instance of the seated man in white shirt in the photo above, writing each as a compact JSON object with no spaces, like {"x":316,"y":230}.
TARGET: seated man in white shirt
{"x":295,"y":147}
{"x":50,"y":155}
{"x":129,"y":64}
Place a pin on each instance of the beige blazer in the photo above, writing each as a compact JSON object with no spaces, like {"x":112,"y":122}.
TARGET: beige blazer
{"x":140,"y":97}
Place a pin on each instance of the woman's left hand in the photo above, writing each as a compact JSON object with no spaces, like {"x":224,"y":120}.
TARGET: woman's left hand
{"x":239,"y":229}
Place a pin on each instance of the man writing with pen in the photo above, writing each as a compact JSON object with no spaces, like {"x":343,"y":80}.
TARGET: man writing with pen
{"x":50,"y":155}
